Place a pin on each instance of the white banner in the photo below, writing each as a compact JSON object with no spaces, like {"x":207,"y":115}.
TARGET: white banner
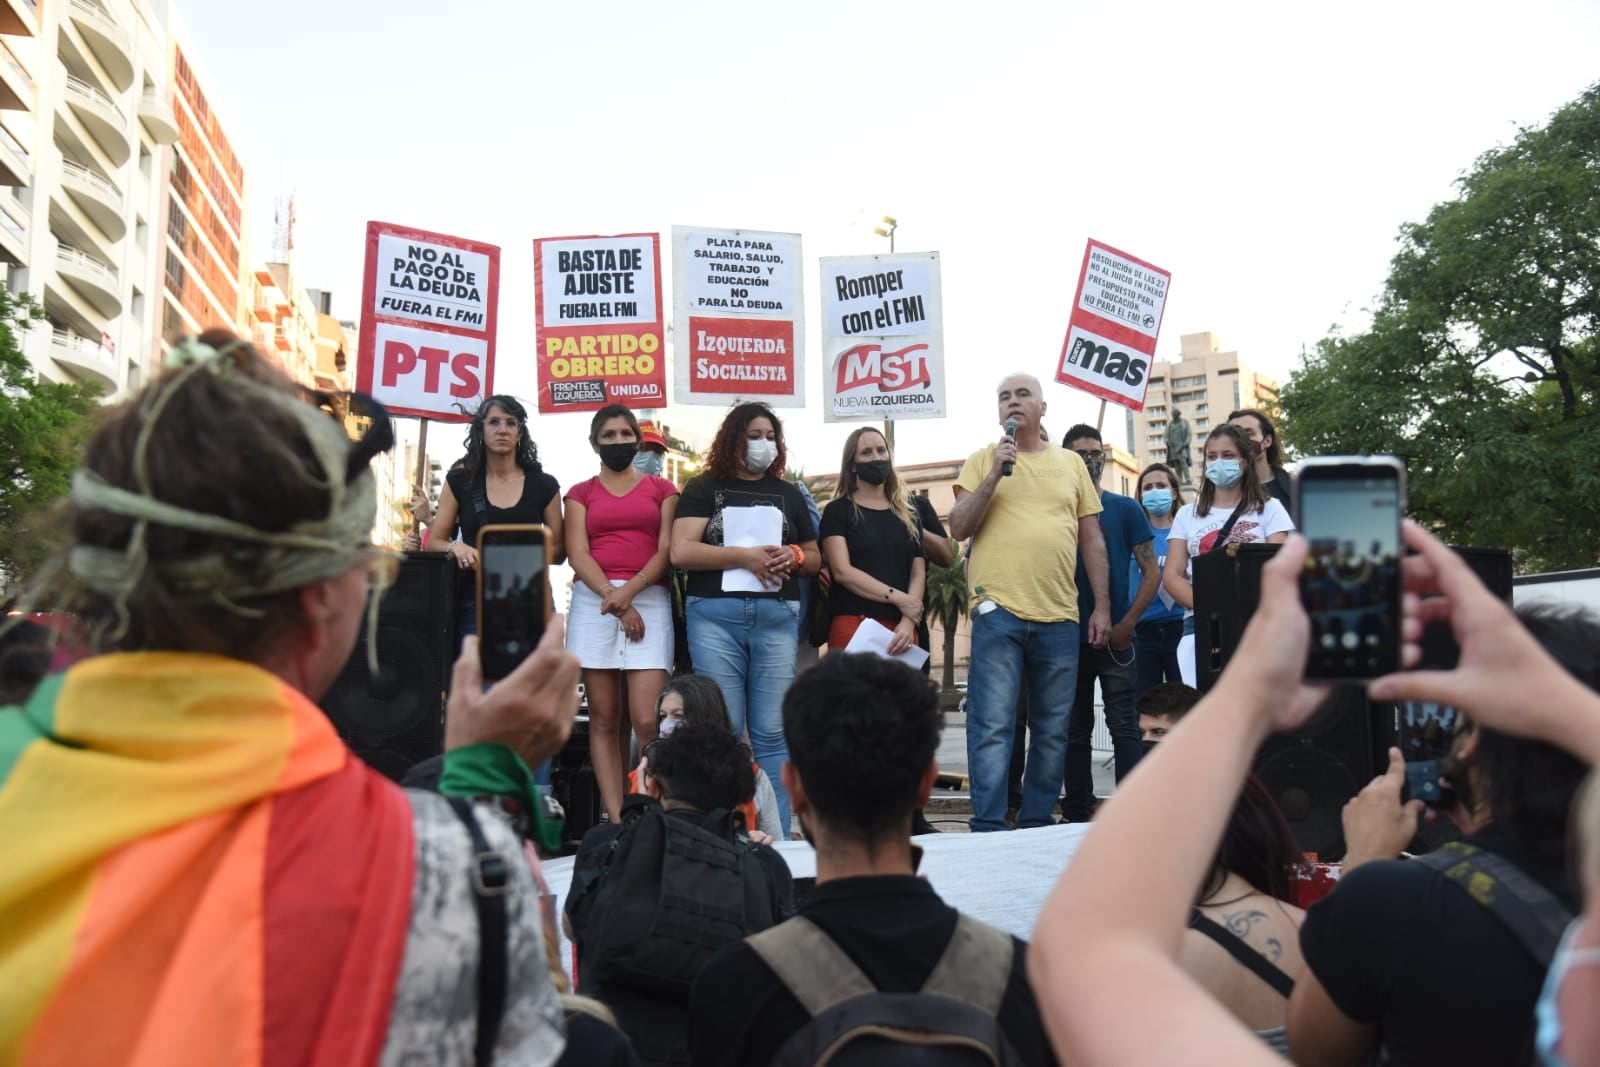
{"x":1124,"y":290}
{"x":1104,"y":367}
{"x":597,"y":281}
{"x":738,"y":317}
{"x":883,"y":337}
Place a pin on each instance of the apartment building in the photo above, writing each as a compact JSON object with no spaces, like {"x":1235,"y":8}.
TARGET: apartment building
{"x":85,"y":118}
{"x":1204,"y":383}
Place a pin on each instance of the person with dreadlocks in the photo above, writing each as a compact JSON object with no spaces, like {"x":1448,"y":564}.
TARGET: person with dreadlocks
{"x":499,"y":481}
{"x":196,"y":869}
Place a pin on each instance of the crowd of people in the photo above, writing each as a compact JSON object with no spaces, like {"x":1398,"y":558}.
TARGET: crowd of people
{"x":197,"y":870}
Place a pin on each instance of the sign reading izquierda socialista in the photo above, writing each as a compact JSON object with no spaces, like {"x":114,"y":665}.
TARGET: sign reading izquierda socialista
{"x":599,"y":327}
{"x":883,"y":337}
{"x":738,"y":317}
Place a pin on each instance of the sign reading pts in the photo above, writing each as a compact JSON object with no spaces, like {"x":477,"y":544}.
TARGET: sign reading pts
{"x":427,"y":322}
{"x":421,"y":368}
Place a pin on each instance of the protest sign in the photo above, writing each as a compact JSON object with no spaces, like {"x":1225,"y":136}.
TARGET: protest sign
{"x":598,"y":322}
{"x":428,"y":305}
{"x":1116,"y":317}
{"x":883,"y":337}
{"x":738,"y":317}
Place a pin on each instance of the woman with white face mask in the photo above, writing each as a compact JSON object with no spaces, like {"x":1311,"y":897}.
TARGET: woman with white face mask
{"x":1231,"y":509}
{"x":744,"y":535}
{"x":1160,"y":628}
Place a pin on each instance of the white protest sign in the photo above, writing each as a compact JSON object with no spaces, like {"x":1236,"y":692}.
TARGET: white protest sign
{"x":598,"y":281}
{"x":428,"y":317}
{"x":738,"y":310}
{"x":1120,"y":288}
{"x":883,"y":337}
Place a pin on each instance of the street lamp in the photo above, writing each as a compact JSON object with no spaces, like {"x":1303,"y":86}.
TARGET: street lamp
{"x":886,"y":229}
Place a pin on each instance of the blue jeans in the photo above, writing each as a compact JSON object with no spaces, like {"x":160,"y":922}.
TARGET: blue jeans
{"x":747,"y":646}
{"x":1114,"y":669}
{"x":1155,"y":655}
{"x":1005,"y":651}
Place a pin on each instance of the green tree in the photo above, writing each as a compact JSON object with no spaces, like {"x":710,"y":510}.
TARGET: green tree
{"x":42,"y":427}
{"x":947,"y":605}
{"x":1481,"y":364}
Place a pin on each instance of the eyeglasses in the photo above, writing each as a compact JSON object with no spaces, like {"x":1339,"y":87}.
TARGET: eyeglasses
{"x":1096,"y":454}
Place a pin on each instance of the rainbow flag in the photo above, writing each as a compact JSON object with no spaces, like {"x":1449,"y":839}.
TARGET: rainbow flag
{"x":193,"y":870}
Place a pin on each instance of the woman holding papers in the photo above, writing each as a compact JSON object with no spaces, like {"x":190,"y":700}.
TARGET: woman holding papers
{"x":744,"y":535}
{"x":618,"y":531}
{"x":872,"y":542}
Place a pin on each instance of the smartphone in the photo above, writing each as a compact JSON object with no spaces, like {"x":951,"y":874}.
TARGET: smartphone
{"x":513,"y":595}
{"x":1348,"y":508}
{"x":1423,"y":732}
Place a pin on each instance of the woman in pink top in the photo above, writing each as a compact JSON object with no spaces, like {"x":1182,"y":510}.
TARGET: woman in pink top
{"x":618,"y":527}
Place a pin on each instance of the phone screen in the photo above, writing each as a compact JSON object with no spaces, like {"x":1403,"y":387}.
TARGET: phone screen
{"x":1424,"y":731}
{"x":1350,"y":514}
{"x":511,"y":596}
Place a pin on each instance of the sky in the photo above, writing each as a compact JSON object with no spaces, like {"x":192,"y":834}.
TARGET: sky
{"x":1265,"y":154}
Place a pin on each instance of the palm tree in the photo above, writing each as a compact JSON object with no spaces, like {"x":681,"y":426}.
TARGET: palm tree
{"x":947,"y":605}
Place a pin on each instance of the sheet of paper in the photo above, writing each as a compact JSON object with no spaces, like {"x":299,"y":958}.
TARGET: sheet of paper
{"x":744,"y":527}
{"x":874,"y":637}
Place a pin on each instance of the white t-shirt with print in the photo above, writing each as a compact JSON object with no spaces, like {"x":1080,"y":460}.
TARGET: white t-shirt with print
{"x":1200,"y":531}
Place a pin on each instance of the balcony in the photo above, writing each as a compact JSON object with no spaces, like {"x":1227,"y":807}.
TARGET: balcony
{"x":108,"y":41}
{"x":84,"y":358}
{"x":99,"y":198}
{"x":15,"y":222}
{"x":103,"y":119}
{"x":15,"y":167}
{"x":155,"y":111}
{"x":16,"y":84}
{"x":19,"y":18}
{"x":93,"y":280}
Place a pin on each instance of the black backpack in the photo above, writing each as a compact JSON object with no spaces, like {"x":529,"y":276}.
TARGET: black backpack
{"x":950,"y":1021}
{"x":674,"y":891}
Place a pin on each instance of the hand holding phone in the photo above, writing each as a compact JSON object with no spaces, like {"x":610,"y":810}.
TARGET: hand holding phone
{"x":1348,"y":508}
{"x":513,"y":595}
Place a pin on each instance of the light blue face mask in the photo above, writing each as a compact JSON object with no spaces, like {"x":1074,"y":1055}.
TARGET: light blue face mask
{"x":1224,"y":473}
{"x":650,"y":463}
{"x":1157,"y":501}
{"x":1547,"y":1038}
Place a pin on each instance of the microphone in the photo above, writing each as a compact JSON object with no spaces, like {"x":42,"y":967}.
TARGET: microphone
{"x":1011,"y":432}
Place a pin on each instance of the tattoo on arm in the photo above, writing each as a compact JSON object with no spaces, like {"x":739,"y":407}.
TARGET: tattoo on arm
{"x":1144,"y":553}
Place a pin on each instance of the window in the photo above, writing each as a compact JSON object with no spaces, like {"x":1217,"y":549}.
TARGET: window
{"x":146,"y":159}
{"x":141,"y":232}
{"x":136,"y":305}
{"x":1236,"y":394}
{"x":1185,"y":383}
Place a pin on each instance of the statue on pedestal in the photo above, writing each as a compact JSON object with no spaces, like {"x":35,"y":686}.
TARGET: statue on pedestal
{"x":1180,"y":442}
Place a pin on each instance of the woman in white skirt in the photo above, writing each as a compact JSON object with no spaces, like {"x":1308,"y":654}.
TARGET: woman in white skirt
{"x":618,"y":527}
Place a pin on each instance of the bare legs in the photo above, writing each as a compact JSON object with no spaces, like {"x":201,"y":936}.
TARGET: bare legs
{"x":608,"y":738}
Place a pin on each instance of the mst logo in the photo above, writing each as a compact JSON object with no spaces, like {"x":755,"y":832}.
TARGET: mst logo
{"x":866,"y":365}
{"x":1122,"y":366}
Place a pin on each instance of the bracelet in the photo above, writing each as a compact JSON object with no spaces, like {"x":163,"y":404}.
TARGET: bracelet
{"x":799,"y":555}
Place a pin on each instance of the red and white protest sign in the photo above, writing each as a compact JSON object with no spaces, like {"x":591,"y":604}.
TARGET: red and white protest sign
{"x":599,"y":329}
{"x":738,"y":317}
{"x":1116,"y":317}
{"x":883,"y":337}
{"x":428,"y":307}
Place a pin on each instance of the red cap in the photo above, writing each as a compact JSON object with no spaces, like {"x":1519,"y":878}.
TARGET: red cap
{"x":649,"y":436}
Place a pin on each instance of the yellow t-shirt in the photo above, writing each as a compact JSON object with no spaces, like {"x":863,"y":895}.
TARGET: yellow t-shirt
{"x":1026,"y":551}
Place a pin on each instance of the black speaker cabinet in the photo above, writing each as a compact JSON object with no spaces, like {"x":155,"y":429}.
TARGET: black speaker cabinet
{"x":397,"y":718}
{"x":572,"y":783}
{"x":1227,"y":588}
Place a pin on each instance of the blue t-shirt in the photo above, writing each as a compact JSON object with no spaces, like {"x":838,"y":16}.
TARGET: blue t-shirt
{"x":1124,"y":527}
{"x":1157,"y":611}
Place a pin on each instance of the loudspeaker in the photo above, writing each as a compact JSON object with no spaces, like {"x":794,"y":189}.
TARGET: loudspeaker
{"x":1493,"y":568}
{"x":1314,"y":770}
{"x":397,"y":718}
{"x":1227,"y":588}
{"x":572,"y":783}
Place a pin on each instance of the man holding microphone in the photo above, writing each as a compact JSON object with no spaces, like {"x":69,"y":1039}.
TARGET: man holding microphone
{"x":1030,"y":509}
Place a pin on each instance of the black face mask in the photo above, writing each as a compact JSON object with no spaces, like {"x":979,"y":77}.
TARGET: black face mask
{"x":1147,"y":747}
{"x":875,"y":472}
{"x":619,"y":457}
